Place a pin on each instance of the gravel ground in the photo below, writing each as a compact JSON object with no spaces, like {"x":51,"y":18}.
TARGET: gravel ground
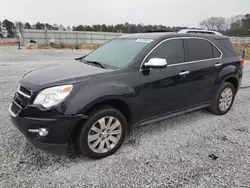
{"x":193,"y":150}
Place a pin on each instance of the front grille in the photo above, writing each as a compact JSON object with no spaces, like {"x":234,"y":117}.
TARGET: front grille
{"x":15,"y":108}
{"x":25,"y":90}
{"x":21,"y":99}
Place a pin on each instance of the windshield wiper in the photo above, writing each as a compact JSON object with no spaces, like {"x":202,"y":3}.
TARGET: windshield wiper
{"x":80,"y":58}
{"x":97,"y":63}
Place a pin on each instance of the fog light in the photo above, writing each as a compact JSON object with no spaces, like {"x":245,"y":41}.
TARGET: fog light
{"x":42,"y":131}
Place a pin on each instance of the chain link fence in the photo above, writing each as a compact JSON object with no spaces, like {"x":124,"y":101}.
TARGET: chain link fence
{"x":45,"y":37}
{"x":240,"y":40}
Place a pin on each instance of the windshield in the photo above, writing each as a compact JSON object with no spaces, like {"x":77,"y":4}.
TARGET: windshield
{"x":118,"y":52}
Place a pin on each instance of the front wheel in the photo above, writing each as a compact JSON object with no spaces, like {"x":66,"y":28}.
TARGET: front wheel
{"x":223,"y":100}
{"x":103,"y":134}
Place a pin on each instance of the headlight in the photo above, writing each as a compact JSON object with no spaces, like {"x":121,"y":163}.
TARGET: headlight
{"x":52,"y":96}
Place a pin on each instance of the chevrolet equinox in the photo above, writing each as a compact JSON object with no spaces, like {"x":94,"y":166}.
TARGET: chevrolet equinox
{"x":92,"y":102}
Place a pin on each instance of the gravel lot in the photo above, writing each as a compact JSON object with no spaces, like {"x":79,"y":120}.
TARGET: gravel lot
{"x":172,"y":153}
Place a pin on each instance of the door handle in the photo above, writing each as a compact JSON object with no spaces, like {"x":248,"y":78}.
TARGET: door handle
{"x":184,"y":73}
{"x":218,"y":64}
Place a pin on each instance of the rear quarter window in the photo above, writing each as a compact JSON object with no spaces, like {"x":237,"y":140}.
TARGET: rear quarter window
{"x":227,"y":47}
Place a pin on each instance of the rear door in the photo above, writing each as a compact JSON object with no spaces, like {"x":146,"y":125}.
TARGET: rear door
{"x":204,"y":64}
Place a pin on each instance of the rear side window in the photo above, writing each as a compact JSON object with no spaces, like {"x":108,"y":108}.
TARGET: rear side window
{"x":227,"y":47}
{"x":199,"y":49}
{"x":171,"y":50}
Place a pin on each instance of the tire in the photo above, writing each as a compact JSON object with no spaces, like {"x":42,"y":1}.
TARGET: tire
{"x":217,"y":106}
{"x":107,"y":142}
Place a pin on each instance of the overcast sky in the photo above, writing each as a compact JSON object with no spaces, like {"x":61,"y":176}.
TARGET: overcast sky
{"x":166,"y":12}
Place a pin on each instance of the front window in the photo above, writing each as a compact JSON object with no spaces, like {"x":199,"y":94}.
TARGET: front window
{"x":118,"y":52}
{"x":171,"y":50}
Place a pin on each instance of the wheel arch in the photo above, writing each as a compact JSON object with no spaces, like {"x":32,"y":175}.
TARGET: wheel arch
{"x":229,"y":74}
{"x":118,"y":104}
{"x":234,"y":81}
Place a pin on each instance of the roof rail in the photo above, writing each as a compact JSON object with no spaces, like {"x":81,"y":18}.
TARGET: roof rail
{"x":157,"y":31}
{"x":200,"y":31}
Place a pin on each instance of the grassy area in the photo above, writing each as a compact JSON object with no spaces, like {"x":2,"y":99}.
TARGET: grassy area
{"x":63,"y":46}
{"x":240,"y":48}
{"x":57,"y":46}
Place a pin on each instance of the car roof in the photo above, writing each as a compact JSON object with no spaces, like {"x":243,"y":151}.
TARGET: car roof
{"x":152,"y":35}
{"x":165,"y":35}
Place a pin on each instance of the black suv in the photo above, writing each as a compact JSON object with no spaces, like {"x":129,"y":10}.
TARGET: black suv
{"x":133,"y":80}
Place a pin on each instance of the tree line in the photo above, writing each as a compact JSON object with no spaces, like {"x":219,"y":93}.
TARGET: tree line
{"x":14,"y":27}
{"x":235,"y":26}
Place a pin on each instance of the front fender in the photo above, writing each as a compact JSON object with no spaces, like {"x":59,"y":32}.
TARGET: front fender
{"x":88,"y":95}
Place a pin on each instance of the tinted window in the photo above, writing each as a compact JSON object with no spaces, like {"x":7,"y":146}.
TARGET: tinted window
{"x":216,"y":52}
{"x":227,"y":47}
{"x":171,"y":50}
{"x":199,"y":49}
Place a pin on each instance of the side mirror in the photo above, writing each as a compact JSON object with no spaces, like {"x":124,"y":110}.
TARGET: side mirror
{"x":156,"y":63}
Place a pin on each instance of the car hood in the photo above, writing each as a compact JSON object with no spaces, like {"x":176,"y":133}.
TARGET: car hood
{"x":62,"y":73}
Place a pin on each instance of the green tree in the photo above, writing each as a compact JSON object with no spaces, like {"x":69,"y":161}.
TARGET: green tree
{"x":139,"y":28}
{"x":133,"y":28}
{"x":40,"y":26}
{"x":97,"y":27}
{"x":104,"y":28}
{"x":10,"y":27}
{"x":68,"y":28}
{"x":55,"y":27}
{"x":62,"y":28}
{"x":79,"y":28}
{"x":27,"y":26}
{"x":49,"y":27}
{"x":246,"y":25}
{"x":119,"y":28}
{"x":88,"y":28}
{"x":126,"y":28}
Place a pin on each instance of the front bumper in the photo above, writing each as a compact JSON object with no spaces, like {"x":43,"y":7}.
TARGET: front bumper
{"x":52,"y":148}
{"x":59,"y":127}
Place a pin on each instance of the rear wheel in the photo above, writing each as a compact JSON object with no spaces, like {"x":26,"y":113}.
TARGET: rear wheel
{"x":103,"y":134}
{"x":223,"y":100}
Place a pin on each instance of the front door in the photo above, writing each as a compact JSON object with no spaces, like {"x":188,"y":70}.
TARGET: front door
{"x":164,"y":90}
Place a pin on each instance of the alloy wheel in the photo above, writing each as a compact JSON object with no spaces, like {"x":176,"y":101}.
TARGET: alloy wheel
{"x":104,"y":134}
{"x":226,"y":99}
